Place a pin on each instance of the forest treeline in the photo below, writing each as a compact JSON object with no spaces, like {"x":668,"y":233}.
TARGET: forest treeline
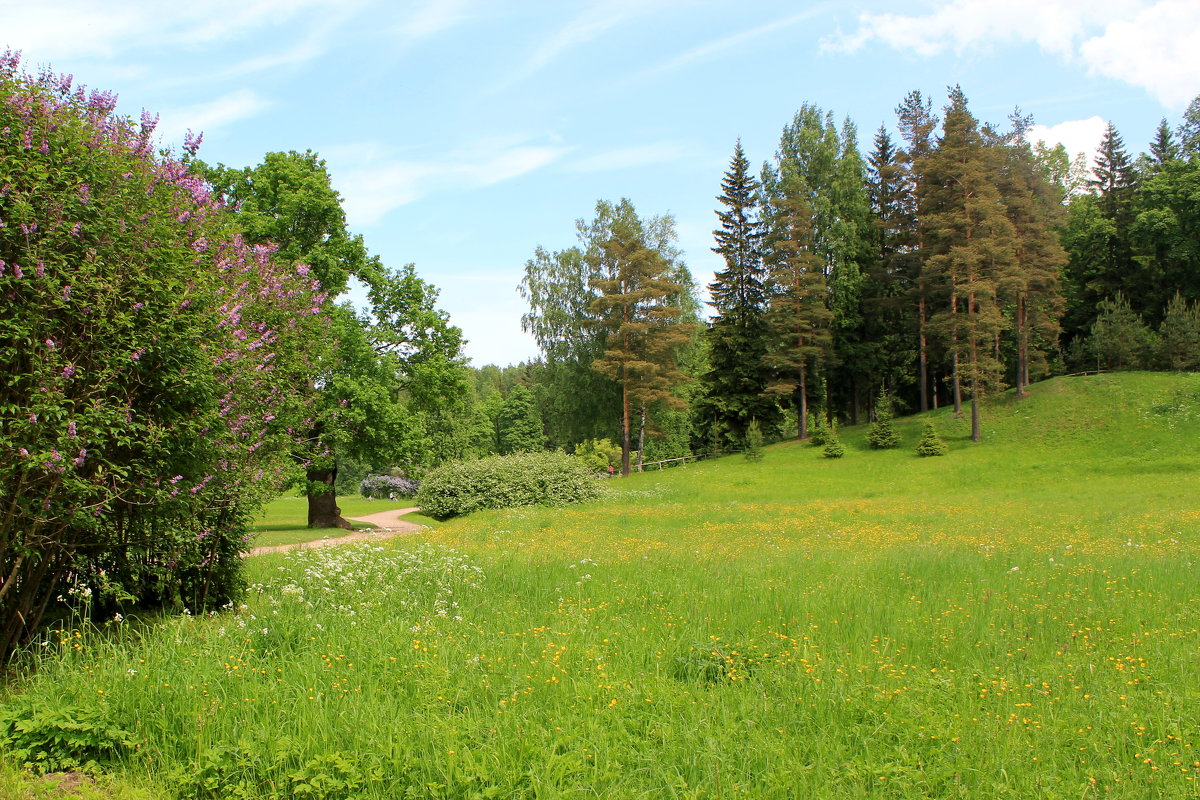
{"x":953,"y":260}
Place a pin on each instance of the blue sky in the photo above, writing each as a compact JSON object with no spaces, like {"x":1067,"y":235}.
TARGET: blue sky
{"x":463,"y":133}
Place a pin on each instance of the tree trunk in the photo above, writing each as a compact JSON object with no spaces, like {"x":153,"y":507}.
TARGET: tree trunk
{"x":624,"y":430}
{"x":802,"y":422}
{"x":923,"y":358}
{"x":641,"y":439}
{"x":323,"y":511}
{"x":974,"y":417}
{"x":957,"y":385}
{"x":1022,"y":353}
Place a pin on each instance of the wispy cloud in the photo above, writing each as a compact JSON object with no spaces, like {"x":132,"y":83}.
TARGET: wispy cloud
{"x":212,"y":115}
{"x":433,"y":17}
{"x":586,"y":26}
{"x":709,"y":49}
{"x":1146,"y":43}
{"x":633,"y":156}
{"x":374,"y":182}
{"x":85,"y":29}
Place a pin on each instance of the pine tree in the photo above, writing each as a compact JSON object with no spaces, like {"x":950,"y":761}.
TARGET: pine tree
{"x":1030,"y":289}
{"x":931,"y":444}
{"x":1179,"y":335}
{"x":640,"y":308}
{"x":917,"y":124}
{"x":971,"y":244}
{"x":734,"y":388}
{"x":882,"y":433}
{"x":1120,"y":339}
{"x":798,"y":316}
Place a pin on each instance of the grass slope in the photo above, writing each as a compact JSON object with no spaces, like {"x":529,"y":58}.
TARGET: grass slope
{"x":1017,"y":619}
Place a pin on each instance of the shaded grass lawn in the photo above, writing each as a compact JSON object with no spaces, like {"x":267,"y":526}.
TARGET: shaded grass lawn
{"x":1018,"y":619}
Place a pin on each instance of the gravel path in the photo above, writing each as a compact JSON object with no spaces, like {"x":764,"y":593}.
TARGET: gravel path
{"x":388,"y":522}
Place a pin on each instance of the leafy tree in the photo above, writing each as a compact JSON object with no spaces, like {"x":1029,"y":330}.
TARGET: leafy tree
{"x":148,"y":354}
{"x":518,"y":424}
{"x":395,"y":370}
{"x":575,"y":399}
{"x":733,"y":390}
{"x":882,"y":433}
{"x":640,"y":308}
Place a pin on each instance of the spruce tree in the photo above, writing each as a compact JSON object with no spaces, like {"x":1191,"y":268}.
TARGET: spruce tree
{"x":1189,"y":130}
{"x":882,"y":433}
{"x":833,"y":445}
{"x":733,"y":389}
{"x":931,"y":444}
{"x":754,"y":441}
{"x":1163,"y":149}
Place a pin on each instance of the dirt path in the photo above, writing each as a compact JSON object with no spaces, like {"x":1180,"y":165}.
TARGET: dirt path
{"x":388,"y":522}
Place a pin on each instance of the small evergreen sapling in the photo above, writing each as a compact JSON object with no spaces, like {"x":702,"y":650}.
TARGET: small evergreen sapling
{"x":833,"y":445}
{"x":882,"y":433}
{"x":754,"y":441}
{"x":818,"y":432}
{"x":931,"y":444}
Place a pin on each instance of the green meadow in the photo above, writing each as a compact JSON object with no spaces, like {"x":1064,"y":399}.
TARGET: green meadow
{"x":1017,"y":619}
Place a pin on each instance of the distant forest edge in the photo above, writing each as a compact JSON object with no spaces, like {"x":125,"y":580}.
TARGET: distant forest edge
{"x":940,"y":269}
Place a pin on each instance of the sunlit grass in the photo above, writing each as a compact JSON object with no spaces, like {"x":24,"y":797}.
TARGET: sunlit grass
{"x":1018,"y":619}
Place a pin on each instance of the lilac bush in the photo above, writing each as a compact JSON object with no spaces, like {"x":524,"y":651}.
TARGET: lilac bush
{"x":153,"y":363}
{"x":385,"y":486}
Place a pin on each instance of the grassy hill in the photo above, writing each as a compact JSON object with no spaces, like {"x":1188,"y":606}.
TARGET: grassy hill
{"x":1020,"y":618}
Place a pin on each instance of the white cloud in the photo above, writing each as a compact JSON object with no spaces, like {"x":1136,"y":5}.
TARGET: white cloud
{"x":80,"y":29}
{"x":1158,"y":49}
{"x":211,"y":116}
{"x":1146,"y":43}
{"x":373,"y":181}
{"x":1077,"y":135}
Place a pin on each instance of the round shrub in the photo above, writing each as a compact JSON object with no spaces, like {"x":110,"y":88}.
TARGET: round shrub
{"x":521,"y":479}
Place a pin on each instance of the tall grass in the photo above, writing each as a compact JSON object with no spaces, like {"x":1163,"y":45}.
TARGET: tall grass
{"x":1018,"y":619}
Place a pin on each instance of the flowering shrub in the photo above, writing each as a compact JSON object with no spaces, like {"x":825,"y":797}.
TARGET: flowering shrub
{"x":384,"y":486}
{"x":521,"y":479}
{"x":150,"y":361}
